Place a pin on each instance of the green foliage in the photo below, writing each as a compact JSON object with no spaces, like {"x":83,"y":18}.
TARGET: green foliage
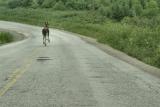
{"x":5,"y":37}
{"x":26,"y":3}
{"x":120,"y":11}
{"x":19,"y":3}
{"x":105,"y":11}
{"x":14,"y":3}
{"x":40,"y":2}
{"x":59,"y":6}
{"x":48,"y":3}
{"x":115,"y":9}
{"x":72,"y":4}
{"x":141,"y":43}
{"x":3,"y":2}
{"x":152,"y":9}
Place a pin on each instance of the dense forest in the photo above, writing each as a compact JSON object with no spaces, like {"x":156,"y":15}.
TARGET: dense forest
{"x":117,"y":9}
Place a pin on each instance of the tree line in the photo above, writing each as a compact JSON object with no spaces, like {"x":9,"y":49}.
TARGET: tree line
{"x":116,"y":9}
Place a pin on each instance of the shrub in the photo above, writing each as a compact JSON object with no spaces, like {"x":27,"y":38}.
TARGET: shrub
{"x":14,"y":3}
{"x":5,"y":37}
{"x":143,"y":21}
{"x":26,"y":3}
{"x":40,"y":2}
{"x":105,"y":11}
{"x":59,"y":6}
{"x":19,"y":3}
{"x":48,"y":3}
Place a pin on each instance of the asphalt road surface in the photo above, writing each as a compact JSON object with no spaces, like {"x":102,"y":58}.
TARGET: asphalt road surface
{"x":69,"y":73}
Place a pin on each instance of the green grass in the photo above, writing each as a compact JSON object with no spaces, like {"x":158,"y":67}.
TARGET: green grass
{"x":3,"y":2}
{"x":140,"y":42}
{"x":5,"y":37}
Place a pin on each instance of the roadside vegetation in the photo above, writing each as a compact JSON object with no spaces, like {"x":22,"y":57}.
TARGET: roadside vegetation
{"x":132,"y":26}
{"x":5,"y":38}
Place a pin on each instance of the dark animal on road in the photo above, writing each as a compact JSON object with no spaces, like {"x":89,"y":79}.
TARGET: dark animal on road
{"x":45,"y":32}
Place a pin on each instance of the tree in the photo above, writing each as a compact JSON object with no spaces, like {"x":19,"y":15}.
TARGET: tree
{"x":40,"y":2}
{"x":26,"y":3}
{"x":130,"y":4}
{"x":49,"y":3}
{"x":14,"y":3}
{"x":152,"y":9}
{"x":19,"y":3}
{"x":137,"y":7}
{"x":121,"y":9}
{"x":143,"y":3}
{"x":59,"y":6}
{"x":105,"y":11}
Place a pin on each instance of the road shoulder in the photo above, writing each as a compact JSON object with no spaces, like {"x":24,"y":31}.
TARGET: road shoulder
{"x":120,"y":55}
{"x":16,"y":36}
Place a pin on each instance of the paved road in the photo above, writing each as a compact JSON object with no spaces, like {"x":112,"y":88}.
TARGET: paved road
{"x":69,"y":73}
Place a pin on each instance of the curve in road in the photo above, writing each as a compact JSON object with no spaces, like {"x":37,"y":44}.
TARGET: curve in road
{"x":69,"y":73}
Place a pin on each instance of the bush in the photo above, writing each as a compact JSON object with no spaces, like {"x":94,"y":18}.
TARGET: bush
{"x":19,"y":3}
{"x":40,"y":2}
{"x":48,"y":3}
{"x":77,"y":5}
{"x":105,"y":11}
{"x":118,"y":12}
{"x":150,"y":12}
{"x":59,"y":6}
{"x":26,"y":3}
{"x":152,"y":23}
{"x":5,"y":37}
{"x":14,"y":3}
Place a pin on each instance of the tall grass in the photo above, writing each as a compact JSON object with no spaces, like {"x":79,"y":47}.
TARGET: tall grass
{"x":5,"y":37}
{"x":139,"y":42}
{"x":142,"y":43}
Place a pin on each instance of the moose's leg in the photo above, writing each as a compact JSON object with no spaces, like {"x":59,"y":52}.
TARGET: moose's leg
{"x":48,"y":39}
{"x":43,"y":39}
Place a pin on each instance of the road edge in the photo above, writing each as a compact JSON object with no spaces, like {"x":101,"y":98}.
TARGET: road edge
{"x":120,"y":55}
{"x":17,"y":37}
